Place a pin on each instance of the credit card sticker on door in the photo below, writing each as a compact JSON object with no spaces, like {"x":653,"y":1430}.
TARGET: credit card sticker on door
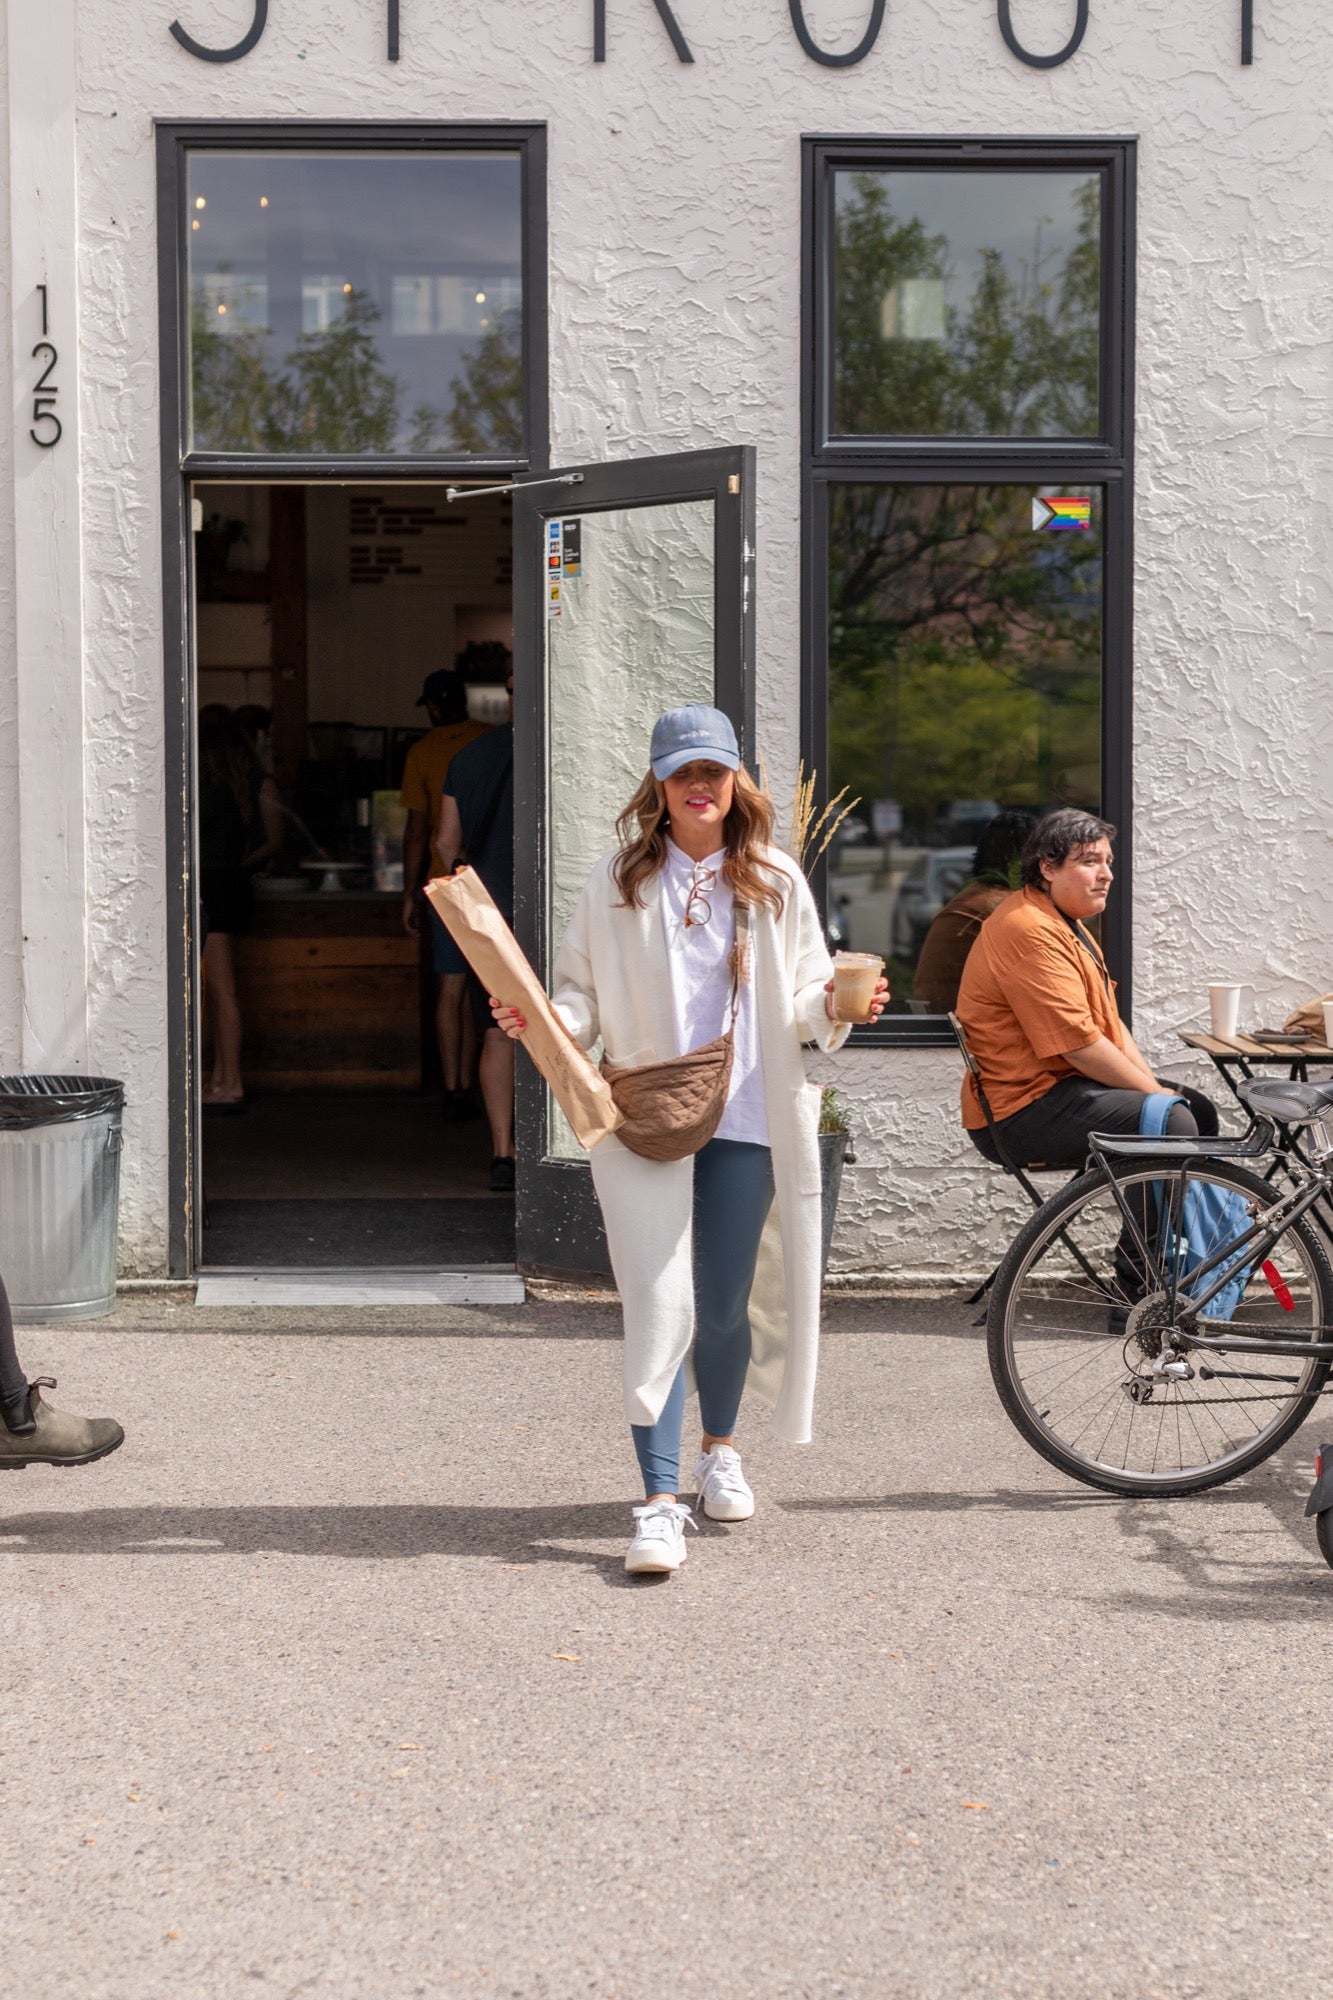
{"x":554,"y":566}
{"x":572,"y":546}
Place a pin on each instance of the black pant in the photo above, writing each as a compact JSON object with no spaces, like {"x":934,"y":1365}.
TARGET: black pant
{"x":1054,"y":1131}
{"x":13,"y":1381}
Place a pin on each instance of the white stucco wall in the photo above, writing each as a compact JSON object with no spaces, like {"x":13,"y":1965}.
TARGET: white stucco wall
{"x":675,"y":276}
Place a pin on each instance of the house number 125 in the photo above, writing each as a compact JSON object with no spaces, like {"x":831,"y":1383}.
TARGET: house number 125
{"x":46,"y":425}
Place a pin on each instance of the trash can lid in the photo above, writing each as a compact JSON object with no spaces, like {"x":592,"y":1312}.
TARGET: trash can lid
{"x":26,"y":1101}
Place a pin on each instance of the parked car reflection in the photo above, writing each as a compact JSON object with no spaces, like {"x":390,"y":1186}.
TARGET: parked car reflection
{"x":927,"y":886}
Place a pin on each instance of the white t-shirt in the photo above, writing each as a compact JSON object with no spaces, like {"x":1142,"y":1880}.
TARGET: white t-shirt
{"x":700,"y":962}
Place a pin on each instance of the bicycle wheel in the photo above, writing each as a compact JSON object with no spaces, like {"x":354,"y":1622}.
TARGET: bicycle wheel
{"x":1323,"y":1528}
{"x":1073,"y":1332}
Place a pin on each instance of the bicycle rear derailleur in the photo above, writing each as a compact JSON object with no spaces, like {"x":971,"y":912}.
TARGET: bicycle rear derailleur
{"x":1153,"y":1335}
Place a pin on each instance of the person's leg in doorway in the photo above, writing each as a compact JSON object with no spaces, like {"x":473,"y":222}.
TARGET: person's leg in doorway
{"x":456,"y":1038}
{"x":496,"y":1073}
{"x":226,"y":1086}
{"x":733,"y":1192}
{"x":455,"y":1034}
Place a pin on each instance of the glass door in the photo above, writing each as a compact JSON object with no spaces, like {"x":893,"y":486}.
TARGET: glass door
{"x":633,"y":593}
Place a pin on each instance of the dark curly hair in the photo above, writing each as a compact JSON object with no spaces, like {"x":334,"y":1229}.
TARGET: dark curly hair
{"x":1056,"y":837}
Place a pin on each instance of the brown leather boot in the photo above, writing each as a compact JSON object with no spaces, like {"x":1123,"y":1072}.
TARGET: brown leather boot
{"x":54,"y":1438}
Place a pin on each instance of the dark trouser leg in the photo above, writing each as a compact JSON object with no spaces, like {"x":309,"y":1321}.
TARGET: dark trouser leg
{"x":1054,"y":1132}
{"x":13,"y":1381}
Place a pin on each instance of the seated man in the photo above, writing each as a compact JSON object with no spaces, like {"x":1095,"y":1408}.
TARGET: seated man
{"x":1038,"y":1009}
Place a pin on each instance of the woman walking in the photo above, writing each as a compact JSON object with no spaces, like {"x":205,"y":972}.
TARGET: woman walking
{"x":696,"y":926}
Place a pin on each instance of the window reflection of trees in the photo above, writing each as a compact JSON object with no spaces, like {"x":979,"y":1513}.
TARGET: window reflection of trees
{"x":964,"y":651}
{"x":334,"y":395}
{"x":1019,"y":360}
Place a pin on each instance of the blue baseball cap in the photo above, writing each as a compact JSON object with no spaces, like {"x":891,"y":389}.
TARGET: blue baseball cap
{"x":690,"y":735}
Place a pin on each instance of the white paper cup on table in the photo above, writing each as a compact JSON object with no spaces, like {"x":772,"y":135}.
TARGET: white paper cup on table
{"x":1328,"y":1024}
{"x":856,"y":974}
{"x":1224,"y":1011}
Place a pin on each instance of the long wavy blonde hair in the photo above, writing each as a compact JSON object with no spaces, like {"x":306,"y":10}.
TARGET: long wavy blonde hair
{"x":746,"y":832}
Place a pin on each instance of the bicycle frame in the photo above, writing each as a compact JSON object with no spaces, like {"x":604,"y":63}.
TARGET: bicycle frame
{"x":1256,"y":1243}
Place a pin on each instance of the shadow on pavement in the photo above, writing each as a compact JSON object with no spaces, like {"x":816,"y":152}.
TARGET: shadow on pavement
{"x":367,"y":1532}
{"x":1198,"y":1547}
{"x":1003,"y":1499}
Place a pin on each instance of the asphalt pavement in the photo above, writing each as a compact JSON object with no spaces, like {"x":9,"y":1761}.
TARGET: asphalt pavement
{"x":330,"y":1683}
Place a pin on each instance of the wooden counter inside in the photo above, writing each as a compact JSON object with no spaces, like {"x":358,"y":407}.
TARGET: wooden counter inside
{"x":330,"y":993}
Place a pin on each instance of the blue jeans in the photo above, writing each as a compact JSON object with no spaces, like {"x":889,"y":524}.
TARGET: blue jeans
{"x":733,"y":1191}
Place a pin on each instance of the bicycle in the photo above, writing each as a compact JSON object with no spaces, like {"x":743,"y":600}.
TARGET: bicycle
{"x":1164,"y":1322}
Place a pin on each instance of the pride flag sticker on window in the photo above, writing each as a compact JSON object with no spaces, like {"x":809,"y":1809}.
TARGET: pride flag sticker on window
{"x":1057,"y":511}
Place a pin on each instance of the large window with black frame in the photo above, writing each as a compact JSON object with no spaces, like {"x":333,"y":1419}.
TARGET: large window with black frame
{"x":968,"y":405}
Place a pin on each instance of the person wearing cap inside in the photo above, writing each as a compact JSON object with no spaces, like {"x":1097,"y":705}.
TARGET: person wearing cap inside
{"x":444,"y":698}
{"x":717,"y":1254}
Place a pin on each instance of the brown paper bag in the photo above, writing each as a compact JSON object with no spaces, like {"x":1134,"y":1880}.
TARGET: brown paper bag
{"x":1310,"y":1017}
{"x":491,"y":949}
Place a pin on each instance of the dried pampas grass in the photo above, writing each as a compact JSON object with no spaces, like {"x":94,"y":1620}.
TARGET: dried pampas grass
{"x":810,"y":832}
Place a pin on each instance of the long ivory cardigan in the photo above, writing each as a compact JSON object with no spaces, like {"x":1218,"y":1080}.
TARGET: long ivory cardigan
{"x":611,"y":979}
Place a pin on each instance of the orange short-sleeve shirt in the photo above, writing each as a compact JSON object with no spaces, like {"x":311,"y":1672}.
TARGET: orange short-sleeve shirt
{"x":1031,"y":989}
{"x":428,"y":763}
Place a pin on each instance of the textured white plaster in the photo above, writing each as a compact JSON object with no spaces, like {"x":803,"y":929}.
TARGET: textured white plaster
{"x":11,"y":970}
{"x":675,"y":297}
{"x":47,"y":536}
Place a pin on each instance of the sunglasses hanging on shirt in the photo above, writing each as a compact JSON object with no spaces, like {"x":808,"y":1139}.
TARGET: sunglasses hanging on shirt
{"x":698,"y":904}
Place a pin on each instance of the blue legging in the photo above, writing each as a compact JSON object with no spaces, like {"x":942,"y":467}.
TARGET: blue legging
{"x":733,"y":1191}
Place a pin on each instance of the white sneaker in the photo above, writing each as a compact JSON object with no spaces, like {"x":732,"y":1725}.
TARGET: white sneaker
{"x":659,"y":1538}
{"x":722,"y":1490}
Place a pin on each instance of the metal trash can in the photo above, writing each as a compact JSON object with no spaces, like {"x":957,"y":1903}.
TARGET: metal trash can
{"x":59,"y":1194}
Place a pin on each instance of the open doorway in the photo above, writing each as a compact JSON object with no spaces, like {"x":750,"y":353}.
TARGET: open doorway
{"x":321,"y":612}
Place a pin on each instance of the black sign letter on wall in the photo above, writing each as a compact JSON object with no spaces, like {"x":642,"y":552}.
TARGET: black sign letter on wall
{"x":856,"y":55}
{"x":242,"y":48}
{"x":1042,"y":62}
{"x":393,"y":30}
{"x":1247,"y":31}
{"x":669,"y":22}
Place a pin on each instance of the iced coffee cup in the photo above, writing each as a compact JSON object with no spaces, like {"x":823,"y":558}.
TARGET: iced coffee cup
{"x":856,"y":974}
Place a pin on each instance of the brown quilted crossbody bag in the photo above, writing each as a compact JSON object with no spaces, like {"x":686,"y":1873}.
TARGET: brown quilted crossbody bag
{"x":672,"y":1109}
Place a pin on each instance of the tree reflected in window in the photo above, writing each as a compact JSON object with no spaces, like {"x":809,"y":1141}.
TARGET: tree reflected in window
{"x":487,"y":412}
{"x":356,"y":304}
{"x":967,"y":305}
{"x":965,"y":676}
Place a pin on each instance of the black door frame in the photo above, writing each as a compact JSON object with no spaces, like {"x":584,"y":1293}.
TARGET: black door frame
{"x":559,"y":1225}
{"x":180,"y":467}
